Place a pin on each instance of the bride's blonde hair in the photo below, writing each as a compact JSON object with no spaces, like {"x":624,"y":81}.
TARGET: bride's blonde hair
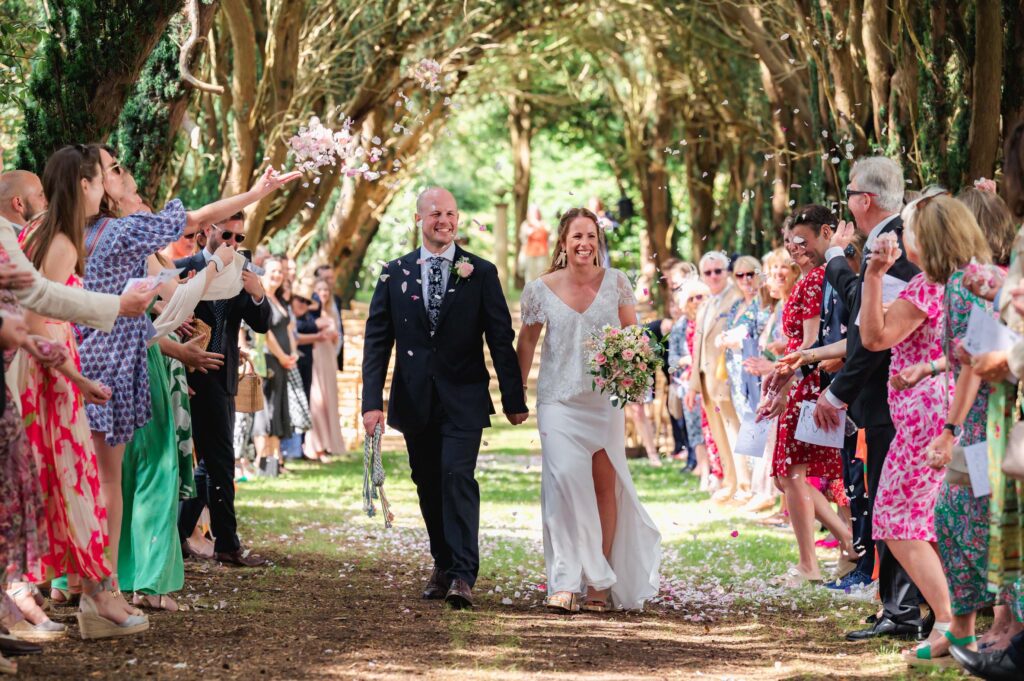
{"x":560,"y":257}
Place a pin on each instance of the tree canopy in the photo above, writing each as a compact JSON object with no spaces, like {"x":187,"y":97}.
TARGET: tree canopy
{"x":712,"y":118}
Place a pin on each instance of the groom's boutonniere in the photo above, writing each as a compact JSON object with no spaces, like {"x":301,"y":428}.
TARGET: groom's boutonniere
{"x":462,"y":268}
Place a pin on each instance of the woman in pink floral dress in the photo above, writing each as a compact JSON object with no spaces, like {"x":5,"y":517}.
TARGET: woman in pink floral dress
{"x":940,"y":236}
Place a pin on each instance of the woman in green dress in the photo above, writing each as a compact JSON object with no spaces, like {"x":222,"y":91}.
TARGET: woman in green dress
{"x":157,"y":462}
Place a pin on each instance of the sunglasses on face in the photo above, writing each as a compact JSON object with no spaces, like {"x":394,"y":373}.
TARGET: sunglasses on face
{"x":227,"y":235}
{"x":745,"y":275}
{"x":716,"y":272}
{"x":697,"y":298}
{"x":850,"y":193}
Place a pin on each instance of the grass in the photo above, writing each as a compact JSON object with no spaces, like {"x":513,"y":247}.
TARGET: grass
{"x":316,"y":511}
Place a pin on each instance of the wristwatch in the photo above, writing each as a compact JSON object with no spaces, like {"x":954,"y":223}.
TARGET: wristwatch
{"x":952,"y":428}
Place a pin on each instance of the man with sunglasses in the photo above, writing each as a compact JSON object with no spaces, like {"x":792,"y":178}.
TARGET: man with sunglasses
{"x":875,"y":197}
{"x":213,"y":405}
{"x":709,"y":380}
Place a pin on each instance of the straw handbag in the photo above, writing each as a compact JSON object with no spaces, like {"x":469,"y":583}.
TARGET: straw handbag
{"x":202,"y":329}
{"x":249,"y":398}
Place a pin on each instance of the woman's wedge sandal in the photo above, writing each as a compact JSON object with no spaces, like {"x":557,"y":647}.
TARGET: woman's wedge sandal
{"x":91,"y":624}
{"x":595,"y":605}
{"x":922,"y":655}
{"x":563,"y":601}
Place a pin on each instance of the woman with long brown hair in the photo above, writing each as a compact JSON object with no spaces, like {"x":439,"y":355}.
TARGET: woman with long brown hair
{"x":598,"y":539}
{"x":53,"y":403}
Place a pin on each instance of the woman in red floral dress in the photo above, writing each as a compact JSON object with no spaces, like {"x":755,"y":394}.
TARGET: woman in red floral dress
{"x":793,"y":461}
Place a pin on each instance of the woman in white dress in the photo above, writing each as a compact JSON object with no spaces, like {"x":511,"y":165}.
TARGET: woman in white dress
{"x":598,"y":539}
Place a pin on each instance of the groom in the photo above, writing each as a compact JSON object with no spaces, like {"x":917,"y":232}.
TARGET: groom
{"x":435,"y":306}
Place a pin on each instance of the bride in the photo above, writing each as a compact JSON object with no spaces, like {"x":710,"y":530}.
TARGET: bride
{"x":598,"y":539}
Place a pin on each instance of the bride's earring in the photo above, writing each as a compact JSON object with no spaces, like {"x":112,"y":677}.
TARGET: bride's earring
{"x":561,"y":258}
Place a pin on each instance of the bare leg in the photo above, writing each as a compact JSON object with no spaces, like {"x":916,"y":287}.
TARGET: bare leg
{"x":963,"y":625}
{"x":839,"y":527}
{"x":604,"y":488}
{"x":262,"y":451}
{"x":638,"y":414}
{"x":921,"y":561}
{"x":801,"y":517}
{"x":109,"y":459}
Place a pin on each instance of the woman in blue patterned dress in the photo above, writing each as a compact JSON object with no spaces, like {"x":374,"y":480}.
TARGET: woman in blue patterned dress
{"x":116,"y":252}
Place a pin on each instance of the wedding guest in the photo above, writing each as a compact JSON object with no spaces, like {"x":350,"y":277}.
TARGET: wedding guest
{"x":21,"y":197}
{"x":325,"y":273}
{"x":534,"y":235}
{"x":325,"y":437}
{"x":1007,"y":502}
{"x":941,"y":236}
{"x":213,"y":409}
{"x":961,"y":517}
{"x":274,"y":423}
{"x":306,"y":331}
{"x":53,"y":404}
{"x":807,"y":232}
{"x":116,"y":249}
{"x":710,"y":380}
{"x":690,"y":296}
{"x":874,"y":197}
{"x":150,"y":560}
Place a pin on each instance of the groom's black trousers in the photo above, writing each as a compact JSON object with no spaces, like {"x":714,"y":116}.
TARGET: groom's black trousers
{"x":443,"y":461}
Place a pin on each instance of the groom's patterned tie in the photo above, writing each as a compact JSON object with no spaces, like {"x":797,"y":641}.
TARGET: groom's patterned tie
{"x":435,"y":291}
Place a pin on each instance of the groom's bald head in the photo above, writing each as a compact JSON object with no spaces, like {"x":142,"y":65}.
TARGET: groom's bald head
{"x":437,"y":213}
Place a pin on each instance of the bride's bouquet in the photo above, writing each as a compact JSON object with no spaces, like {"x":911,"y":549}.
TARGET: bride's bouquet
{"x":623,"y":363}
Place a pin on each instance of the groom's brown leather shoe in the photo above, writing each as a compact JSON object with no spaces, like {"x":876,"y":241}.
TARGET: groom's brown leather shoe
{"x":437,"y":586}
{"x":460,"y":595}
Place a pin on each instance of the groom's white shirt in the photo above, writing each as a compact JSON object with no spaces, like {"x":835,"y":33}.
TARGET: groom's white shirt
{"x":425,"y":256}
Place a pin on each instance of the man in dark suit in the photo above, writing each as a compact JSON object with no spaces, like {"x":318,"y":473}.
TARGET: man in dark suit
{"x":213,"y":405}
{"x":874,"y":196}
{"x":435,"y":306}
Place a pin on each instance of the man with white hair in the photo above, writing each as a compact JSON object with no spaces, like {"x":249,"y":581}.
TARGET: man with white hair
{"x":875,"y":197}
{"x":710,"y":381}
{"x":21,"y":197}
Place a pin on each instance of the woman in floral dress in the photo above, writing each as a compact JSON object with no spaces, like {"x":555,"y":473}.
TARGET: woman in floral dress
{"x":961,"y":518}
{"x":793,"y":461}
{"x":116,"y":252}
{"x":940,"y":236}
{"x":53,"y":400}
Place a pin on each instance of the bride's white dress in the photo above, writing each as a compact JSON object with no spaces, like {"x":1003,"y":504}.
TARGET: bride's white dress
{"x":575,"y":421}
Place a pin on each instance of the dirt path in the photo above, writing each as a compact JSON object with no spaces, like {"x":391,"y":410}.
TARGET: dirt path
{"x":308,"y":617}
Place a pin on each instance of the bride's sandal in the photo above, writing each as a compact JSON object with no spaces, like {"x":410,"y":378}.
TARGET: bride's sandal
{"x":595,"y":605}
{"x":563,"y":601}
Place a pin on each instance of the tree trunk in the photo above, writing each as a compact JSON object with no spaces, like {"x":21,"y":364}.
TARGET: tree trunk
{"x":876,"y":50}
{"x":149,"y":124}
{"x":243,"y":95}
{"x":983,"y":141}
{"x":520,"y":128}
{"x":90,"y":60}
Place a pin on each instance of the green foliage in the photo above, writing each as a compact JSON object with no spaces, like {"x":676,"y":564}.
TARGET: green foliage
{"x":89,"y":44}
{"x":143,"y":133}
{"x":21,"y":30}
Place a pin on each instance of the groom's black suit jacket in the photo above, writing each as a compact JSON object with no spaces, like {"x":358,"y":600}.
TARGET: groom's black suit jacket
{"x":452,"y":361}
{"x":862,"y":382}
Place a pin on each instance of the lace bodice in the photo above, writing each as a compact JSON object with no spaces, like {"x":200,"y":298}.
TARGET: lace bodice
{"x":563,"y":364}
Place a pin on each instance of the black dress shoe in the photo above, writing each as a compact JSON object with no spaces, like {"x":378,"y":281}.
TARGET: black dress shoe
{"x":885,"y":627}
{"x":12,"y":646}
{"x":998,"y":666}
{"x":460,"y":595}
{"x":437,"y":586}
{"x":870,"y":619}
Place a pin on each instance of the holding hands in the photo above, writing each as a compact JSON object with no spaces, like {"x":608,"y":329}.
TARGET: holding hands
{"x":13,"y":278}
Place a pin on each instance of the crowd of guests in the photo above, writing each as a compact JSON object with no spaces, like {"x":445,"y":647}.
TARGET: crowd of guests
{"x":860,"y":327}
{"x":123,"y":331}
